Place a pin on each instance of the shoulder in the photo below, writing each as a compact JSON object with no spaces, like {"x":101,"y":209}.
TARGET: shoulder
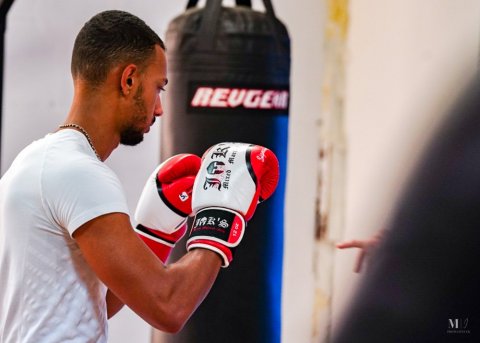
{"x":68,"y":156}
{"x":81,"y":174}
{"x":72,"y":174}
{"x":79,"y":188}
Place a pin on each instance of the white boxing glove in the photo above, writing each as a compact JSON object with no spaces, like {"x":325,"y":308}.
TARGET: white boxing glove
{"x":166,"y":202}
{"x":233,"y":179}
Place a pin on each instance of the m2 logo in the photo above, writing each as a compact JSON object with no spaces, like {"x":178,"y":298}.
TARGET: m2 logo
{"x":458,"y":326}
{"x":457,"y":323}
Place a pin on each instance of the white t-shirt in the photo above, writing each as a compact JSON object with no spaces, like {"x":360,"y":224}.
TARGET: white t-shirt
{"x":48,"y":293}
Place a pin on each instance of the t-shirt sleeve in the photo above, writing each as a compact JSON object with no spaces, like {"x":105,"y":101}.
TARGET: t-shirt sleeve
{"x":81,"y":191}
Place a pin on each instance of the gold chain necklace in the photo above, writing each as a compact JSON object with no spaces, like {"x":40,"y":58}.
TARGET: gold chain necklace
{"x":87,"y":136}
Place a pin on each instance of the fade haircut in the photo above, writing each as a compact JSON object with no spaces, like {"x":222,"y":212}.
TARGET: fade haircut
{"x":108,"y":39}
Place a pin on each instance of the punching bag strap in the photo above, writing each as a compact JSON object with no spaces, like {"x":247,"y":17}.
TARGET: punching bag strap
{"x":247,"y":3}
{"x":269,"y":9}
{"x":208,"y":26}
{"x":191,"y":3}
{"x":211,"y":12}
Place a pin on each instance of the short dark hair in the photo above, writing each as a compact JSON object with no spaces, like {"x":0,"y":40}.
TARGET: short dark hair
{"x":108,"y":39}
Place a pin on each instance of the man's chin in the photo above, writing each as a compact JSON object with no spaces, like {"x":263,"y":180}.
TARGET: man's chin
{"x":131,"y":139}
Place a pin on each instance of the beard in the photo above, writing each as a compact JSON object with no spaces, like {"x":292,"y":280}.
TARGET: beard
{"x":132,"y":134}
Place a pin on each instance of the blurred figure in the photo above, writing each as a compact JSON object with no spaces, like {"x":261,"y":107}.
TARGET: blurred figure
{"x":422,"y":284}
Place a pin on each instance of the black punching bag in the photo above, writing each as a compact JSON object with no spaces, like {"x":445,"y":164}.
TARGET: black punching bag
{"x":229,"y":70}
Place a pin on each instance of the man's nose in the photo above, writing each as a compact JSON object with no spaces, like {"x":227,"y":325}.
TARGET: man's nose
{"x":158,"y":111}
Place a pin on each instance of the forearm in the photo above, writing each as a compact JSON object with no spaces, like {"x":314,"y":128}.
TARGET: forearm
{"x":163,"y":296}
{"x":182,"y":288}
{"x":194,"y":275}
{"x":114,"y":304}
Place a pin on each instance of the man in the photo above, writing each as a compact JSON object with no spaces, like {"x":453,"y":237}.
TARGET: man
{"x":69,"y":258}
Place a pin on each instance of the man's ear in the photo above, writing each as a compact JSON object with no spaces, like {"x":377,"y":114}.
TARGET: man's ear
{"x":129,"y":78}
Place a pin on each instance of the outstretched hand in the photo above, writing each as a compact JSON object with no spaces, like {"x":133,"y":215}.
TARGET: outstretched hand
{"x":366,"y":246}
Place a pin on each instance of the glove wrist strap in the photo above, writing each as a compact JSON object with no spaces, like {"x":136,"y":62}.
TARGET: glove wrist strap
{"x":218,"y":229}
{"x":218,"y":224}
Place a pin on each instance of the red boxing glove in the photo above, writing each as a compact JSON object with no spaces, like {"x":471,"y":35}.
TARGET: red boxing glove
{"x":166,"y":202}
{"x":233,"y":179}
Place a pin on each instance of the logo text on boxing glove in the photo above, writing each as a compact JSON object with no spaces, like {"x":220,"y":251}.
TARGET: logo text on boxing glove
{"x":218,"y":175}
{"x":216,"y":224}
{"x":261,"y":156}
{"x":223,"y":224}
{"x":183,"y":196}
{"x":211,"y":182}
{"x":220,"y":152}
{"x":216,"y":167}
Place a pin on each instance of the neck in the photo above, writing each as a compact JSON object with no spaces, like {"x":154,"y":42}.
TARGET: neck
{"x":85,"y":133}
{"x":96,"y":118}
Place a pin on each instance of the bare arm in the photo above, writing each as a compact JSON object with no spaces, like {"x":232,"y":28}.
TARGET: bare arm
{"x":164,"y":296}
{"x":365,"y":247}
{"x":113,"y":304}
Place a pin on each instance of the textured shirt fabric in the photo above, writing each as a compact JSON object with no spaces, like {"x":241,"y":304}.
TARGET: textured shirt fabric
{"x":48,"y":293}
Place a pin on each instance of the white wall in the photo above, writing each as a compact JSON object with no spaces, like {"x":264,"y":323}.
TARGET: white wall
{"x":402,"y":57}
{"x":304,"y":21}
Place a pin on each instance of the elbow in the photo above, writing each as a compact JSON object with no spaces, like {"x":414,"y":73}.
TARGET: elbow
{"x":173,"y":305}
{"x":172,"y":320}
{"x":172,"y":327}
{"x":175,"y":323}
